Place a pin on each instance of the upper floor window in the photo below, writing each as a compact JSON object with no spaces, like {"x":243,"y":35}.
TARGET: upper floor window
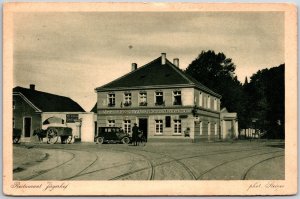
{"x":143,"y":99}
{"x":215,"y":104}
{"x":177,"y":98}
{"x":127,"y":126}
{"x":111,"y":99}
{"x":158,"y":126}
{"x":200,"y":99}
{"x":14,"y":104}
{"x":159,"y":98}
{"x":177,"y":126}
{"x":111,"y":123}
{"x":208,"y":101}
{"x":127,"y":99}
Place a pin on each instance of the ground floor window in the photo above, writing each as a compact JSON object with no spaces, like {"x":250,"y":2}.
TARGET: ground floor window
{"x":127,"y":126}
{"x":111,"y":123}
{"x":177,"y":126}
{"x":158,"y":126}
{"x":216,"y":129}
{"x":200,"y":128}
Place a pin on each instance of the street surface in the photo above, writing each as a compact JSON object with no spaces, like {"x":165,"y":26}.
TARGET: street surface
{"x":241,"y":160}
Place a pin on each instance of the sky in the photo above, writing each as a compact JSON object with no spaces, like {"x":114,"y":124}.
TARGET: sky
{"x":72,"y":53}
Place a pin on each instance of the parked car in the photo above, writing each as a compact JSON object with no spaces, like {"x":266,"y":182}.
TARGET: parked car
{"x":112,"y":135}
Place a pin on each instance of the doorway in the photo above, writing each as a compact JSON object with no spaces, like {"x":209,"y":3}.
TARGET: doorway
{"x":27,"y":126}
{"x":143,"y":125}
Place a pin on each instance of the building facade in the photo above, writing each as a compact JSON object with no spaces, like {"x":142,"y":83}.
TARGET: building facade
{"x":163,"y":101}
{"x":34,"y":109}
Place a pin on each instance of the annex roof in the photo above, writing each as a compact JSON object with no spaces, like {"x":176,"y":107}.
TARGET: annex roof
{"x":47,"y":102}
{"x":153,"y":75}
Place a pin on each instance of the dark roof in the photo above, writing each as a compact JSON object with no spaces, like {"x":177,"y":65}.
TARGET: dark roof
{"x":94,"y":109}
{"x":47,"y":102}
{"x":155,"y":74}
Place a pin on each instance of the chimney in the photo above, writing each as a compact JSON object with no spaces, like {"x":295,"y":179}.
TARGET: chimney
{"x":133,"y":66}
{"x":176,"y":62}
{"x":163,"y":58}
{"x":32,"y":87}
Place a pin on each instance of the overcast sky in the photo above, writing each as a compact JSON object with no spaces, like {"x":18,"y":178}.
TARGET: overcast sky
{"x":70,"y":54}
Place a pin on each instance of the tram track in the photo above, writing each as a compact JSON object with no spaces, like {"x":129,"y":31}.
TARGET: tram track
{"x":244,"y":176}
{"x":230,"y":161}
{"x":52,"y":168}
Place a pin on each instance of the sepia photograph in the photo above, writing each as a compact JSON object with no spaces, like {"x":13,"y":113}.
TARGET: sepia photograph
{"x":172,"y":99}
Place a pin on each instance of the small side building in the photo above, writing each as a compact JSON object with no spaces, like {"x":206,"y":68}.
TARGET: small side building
{"x":34,"y":109}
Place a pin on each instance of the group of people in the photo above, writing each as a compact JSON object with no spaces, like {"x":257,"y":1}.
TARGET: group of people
{"x":137,"y":135}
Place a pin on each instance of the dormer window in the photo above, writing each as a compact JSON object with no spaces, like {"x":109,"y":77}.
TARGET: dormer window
{"x":159,"y":98}
{"x":177,"y":98}
{"x":111,"y":98}
{"x":127,"y":99}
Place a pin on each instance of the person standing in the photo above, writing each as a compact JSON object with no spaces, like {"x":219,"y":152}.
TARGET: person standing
{"x":135,"y":133}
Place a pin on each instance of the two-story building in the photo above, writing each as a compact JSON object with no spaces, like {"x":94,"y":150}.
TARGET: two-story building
{"x":165,"y":103}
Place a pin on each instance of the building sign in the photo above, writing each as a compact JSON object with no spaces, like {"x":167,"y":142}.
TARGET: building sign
{"x":144,"y":111}
{"x":72,"y":118}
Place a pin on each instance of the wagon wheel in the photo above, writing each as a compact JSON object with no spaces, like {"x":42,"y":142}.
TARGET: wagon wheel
{"x":52,"y":136}
{"x":100,"y":140}
{"x":16,"y":139}
{"x":125,"y":140}
{"x":69,"y":139}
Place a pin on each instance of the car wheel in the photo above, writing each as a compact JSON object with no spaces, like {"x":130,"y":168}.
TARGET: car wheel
{"x":100,"y":140}
{"x":125,"y":140}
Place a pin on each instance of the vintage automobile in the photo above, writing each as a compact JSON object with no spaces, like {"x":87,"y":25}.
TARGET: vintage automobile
{"x":16,"y":135}
{"x":112,"y":135}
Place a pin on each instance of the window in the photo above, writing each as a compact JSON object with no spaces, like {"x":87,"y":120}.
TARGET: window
{"x":127,"y":126}
{"x":158,"y":126}
{"x":111,"y":123}
{"x":159,"y":99}
{"x":127,"y":99}
{"x":200,"y":129}
{"x":177,"y":126}
{"x":201,"y":99}
{"x":215,"y":104}
{"x":111,"y":100}
{"x":143,"y":99}
{"x":216,"y":129}
{"x":208,"y":101}
{"x":208,"y":128}
{"x":177,"y":98}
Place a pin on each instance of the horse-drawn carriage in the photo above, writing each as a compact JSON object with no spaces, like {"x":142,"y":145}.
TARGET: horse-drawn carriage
{"x":53,"y":133}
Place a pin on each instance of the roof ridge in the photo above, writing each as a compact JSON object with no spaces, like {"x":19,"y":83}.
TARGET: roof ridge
{"x":129,"y":73}
{"x":42,"y":92}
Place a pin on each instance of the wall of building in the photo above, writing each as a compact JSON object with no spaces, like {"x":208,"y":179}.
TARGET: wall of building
{"x":205,"y":99}
{"x":21,"y":110}
{"x":187,"y":97}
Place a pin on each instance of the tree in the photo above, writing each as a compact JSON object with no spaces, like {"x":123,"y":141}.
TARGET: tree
{"x":216,"y":71}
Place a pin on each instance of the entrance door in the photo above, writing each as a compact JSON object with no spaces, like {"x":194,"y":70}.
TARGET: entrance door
{"x":27,"y":126}
{"x":143,"y":125}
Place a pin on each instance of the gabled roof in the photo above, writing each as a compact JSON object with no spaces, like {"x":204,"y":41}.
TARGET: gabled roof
{"x":94,"y":109}
{"x":155,"y":75}
{"x":47,"y":102}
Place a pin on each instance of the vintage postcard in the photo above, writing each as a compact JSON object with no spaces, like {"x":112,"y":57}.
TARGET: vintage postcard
{"x":149,"y":99}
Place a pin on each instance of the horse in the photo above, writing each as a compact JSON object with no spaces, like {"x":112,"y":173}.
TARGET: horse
{"x":40,"y":133}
